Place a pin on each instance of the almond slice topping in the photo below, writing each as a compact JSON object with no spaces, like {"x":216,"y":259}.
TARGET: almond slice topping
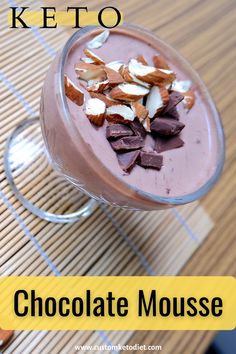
{"x":88,"y":72}
{"x":189,"y":100}
{"x":97,"y":86}
{"x":108,"y":101}
{"x":115,"y":65}
{"x":150,"y":74}
{"x":73,"y":92}
{"x":95,"y":110}
{"x":87,"y":60}
{"x":140,"y":111}
{"x":113,"y":77}
{"x":96,"y":59}
{"x":128,"y":92}
{"x":147,"y":124}
{"x":119,"y":113}
{"x":160,"y":63}
{"x":181,"y":85}
{"x":141,"y":59}
{"x":99,"y":40}
{"x":128,"y":77}
{"x":157,"y":99}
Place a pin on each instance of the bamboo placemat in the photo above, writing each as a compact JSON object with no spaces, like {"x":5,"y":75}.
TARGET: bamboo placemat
{"x":110,"y":242}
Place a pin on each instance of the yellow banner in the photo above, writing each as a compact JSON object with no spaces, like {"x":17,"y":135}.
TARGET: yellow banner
{"x":28,"y":18}
{"x":117,"y":303}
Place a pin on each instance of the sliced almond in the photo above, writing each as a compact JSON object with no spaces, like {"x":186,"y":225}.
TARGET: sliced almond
{"x":124,"y":71}
{"x":147,"y":124}
{"x":73,"y":92}
{"x":99,"y":40}
{"x":181,"y":85}
{"x":189,"y":99}
{"x":87,"y":60}
{"x":97,"y":86}
{"x":142,"y":60}
{"x":115,"y":65}
{"x":128,"y":92}
{"x":96,"y":59}
{"x":157,"y":99}
{"x":95,"y":111}
{"x":160,"y":63}
{"x":86,"y":71}
{"x":113,"y":77}
{"x":108,"y":101}
{"x":150,"y":74}
{"x":119,"y":113}
{"x":140,"y":111}
{"x":128,"y":77}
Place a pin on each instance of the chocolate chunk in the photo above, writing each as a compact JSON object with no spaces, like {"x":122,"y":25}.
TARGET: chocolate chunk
{"x":118,"y":131}
{"x":138,"y":129}
{"x":172,"y":114}
{"x":174,"y":99}
{"x":150,"y":159}
{"x":165,"y":144}
{"x":127,"y":143}
{"x":127,"y":160}
{"x":166,"y":126}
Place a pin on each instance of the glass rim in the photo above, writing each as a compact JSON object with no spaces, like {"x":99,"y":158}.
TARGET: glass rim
{"x":171,"y":201}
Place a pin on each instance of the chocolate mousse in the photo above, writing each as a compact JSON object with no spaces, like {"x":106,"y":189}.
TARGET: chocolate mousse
{"x":136,"y":99}
{"x":134,"y":126}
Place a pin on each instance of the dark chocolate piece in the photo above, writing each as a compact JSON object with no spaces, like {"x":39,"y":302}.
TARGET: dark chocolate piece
{"x":127,"y":143}
{"x":138,"y":129}
{"x":166,"y":127}
{"x":174,"y":99}
{"x":172,"y":114}
{"x":150,"y":159}
{"x":165,"y":144}
{"x":127,"y":160}
{"x":118,"y":131}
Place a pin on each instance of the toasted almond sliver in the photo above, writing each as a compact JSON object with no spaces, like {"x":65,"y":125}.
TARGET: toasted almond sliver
{"x":147,"y":124}
{"x":115,"y":65}
{"x":119,"y":113}
{"x":87,"y":60}
{"x":97,"y":86}
{"x":141,"y":59}
{"x":157,"y":99}
{"x":150,"y":74}
{"x":140,"y":111}
{"x":96,"y":59}
{"x":99,"y":40}
{"x":128,"y":92}
{"x":73,"y":92}
{"x":189,"y":99}
{"x":113,"y":77}
{"x":128,"y":77}
{"x":181,"y":85}
{"x":108,"y":101}
{"x":160,"y":63}
{"x":95,"y":110}
{"x":86,"y":71}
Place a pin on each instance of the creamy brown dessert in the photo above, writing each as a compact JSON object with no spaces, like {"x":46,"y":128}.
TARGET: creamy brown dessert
{"x":144,"y":129}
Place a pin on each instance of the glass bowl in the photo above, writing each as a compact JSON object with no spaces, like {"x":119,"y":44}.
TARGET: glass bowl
{"x":74,"y":160}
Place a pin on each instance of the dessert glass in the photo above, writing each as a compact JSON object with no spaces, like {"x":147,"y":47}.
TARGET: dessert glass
{"x":65,"y":147}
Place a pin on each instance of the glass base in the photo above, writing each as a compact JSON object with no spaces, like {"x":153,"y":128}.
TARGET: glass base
{"x":39,"y":188}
